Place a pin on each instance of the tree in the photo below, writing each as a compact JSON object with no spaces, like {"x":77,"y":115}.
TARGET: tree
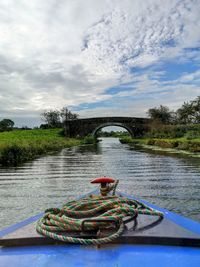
{"x":196,"y":109}
{"x":161,"y":114}
{"x":6,"y":125}
{"x":55,"y":118}
{"x":67,"y":115}
{"x":189,"y":112}
{"x":184,"y":114}
{"x":52,"y":118}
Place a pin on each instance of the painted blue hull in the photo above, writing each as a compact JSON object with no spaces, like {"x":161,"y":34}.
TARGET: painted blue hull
{"x":112,"y":255}
{"x":108,"y":255}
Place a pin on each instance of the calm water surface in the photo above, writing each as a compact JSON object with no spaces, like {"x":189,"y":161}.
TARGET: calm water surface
{"x":170,"y":182}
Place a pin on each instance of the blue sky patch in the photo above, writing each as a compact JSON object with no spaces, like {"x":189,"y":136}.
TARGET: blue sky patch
{"x":173,"y":70}
{"x":168,"y":70}
{"x":99,"y":104}
{"x":120,"y":88}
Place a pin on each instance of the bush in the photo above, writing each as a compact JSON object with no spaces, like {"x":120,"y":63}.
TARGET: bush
{"x":126,"y":140}
{"x":150,"y":142}
{"x":193,"y":146}
{"x":89,"y":140}
{"x":173,"y":131}
{"x":189,"y":145}
{"x":12,"y":155}
{"x":192,"y":134}
{"x":166,"y":144}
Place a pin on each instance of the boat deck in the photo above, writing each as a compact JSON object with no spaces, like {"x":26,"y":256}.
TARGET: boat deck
{"x":147,"y":241}
{"x":144,"y":230}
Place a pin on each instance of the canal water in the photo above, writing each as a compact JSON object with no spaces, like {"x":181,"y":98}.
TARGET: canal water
{"x":171,"y":182}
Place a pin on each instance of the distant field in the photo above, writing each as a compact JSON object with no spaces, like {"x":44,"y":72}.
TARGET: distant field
{"x":21,"y":145}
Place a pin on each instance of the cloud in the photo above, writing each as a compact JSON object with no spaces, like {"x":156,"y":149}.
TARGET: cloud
{"x":69,"y":53}
{"x":135,"y":34}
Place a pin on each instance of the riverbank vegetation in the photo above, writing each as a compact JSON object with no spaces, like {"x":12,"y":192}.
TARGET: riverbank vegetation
{"x":89,"y":140}
{"x":169,"y":129}
{"x":176,"y":143}
{"x":18,"y":146}
{"x":169,"y":138}
{"x":117,"y":134}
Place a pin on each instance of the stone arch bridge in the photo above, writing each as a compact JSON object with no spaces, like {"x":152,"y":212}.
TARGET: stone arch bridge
{"x":83,"y":127}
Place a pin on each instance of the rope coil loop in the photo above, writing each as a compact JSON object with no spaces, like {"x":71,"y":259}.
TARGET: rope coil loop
{"x":91,"y":214}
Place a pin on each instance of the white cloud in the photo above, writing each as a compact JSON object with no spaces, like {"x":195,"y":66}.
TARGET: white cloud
{"x":192,"y":77}
{"x":135,"y":34}
{"x":55,"y":53}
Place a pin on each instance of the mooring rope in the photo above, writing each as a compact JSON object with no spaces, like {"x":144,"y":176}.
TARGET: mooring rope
{"x":90,"y":214}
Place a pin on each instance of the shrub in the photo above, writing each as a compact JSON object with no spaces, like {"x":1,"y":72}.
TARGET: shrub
{"x":192,"y":134}
{"x":173,"y":131}
{"x":164,"y":144}
{"x":126,"y":140}
{"x":89,"y":140}
{"x":150,"y":142}
{"x":190,"y":145}
{"x":12,"y":155}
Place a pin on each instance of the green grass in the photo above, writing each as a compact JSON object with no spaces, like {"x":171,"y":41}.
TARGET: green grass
{"x":21,"y":145}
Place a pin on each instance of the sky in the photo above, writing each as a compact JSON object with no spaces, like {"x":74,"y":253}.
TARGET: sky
{"x":97,"y":57}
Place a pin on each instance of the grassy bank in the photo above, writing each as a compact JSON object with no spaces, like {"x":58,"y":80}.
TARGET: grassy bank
{"x":181,"y":137}
{"x":21,"y":145}
{"x":192,"y":145}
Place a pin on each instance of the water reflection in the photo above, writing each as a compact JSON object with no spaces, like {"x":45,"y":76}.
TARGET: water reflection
{"x":171,"y":182}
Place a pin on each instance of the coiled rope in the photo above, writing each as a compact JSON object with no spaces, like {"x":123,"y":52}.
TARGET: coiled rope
{"x":94,"y":212}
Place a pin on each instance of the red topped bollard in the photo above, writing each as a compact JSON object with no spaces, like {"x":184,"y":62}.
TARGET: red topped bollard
{"x":104,"y":181}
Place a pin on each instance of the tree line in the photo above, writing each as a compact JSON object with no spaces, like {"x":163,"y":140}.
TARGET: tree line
{"x":188,"y":113}
{"x":52,"y":119}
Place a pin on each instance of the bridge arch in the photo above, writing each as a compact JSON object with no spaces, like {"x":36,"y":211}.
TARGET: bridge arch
{"x":83,"y":127}
{"x":94,"y":132}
